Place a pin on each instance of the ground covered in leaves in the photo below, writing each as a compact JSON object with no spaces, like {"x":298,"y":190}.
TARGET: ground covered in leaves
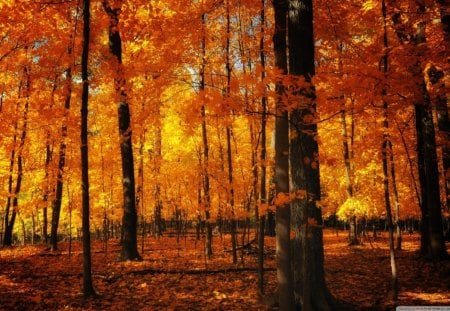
{"x":177,"y":276}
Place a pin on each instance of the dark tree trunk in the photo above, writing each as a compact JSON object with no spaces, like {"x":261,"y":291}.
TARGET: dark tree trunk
{"x":281,"y":178}
{"x":435,"y":76}
{"x":263,"y":157}
{"x":88,"y":289}
{"x":206,"y":186}
{"x":432,"y":237}
{"x":387,"y":148}
{"x":56,"y":203}
{"x":157,"y":169}
{"x":48,"y":177}
{"x":228,"y":130}
{"x":434,"y":245}
{"x":310,"y":290}
{"x":9,"y":222}
{"x":129,"y":249}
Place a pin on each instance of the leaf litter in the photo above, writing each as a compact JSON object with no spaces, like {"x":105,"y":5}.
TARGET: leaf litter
{"x":177,"y":276}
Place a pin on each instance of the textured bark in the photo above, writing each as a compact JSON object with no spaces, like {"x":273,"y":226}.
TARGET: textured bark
{"x":310,"y":290}
{"x":88,"y":289}
{"x":281,"y":178}
{"x":433,"y":244}
{"x":129,"y":249}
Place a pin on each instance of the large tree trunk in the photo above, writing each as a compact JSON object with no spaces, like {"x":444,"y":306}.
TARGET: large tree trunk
{"x":88,"y":289}
{"x":310,"y":290}
{"x":433,"y":244}
{"x":432,"y":237}
{"x":436,"y":78}
{"x":129,"y":249}
{"x":281,"y":178}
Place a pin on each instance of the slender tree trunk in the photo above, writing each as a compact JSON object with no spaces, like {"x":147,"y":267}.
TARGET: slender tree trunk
{"x":263,"y":155}
{"x":157,"y":157}
{"x":228,"y":130}
{"x":283,"y":227}
{"x":88,"y":289}
{"x":9,"y":222}
{"x":48,"y":178}
{"x":353,"y":228}
{"x":387,"y":148}
{"x":206,"y":186}
{"x":56,"y":203}
{"x":129,"y":249}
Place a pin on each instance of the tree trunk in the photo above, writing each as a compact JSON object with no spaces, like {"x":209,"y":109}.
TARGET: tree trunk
{"x":432,"y":237}
{"x":228,"y":131}
{"x":281,"y":178}
{"x":353,"y":228}
{"x":434,"y":245}
{"x":129,"y":249}
{"x":387,"y":147}
{"x":56,"y":203}
{"x":263,"y":156}
{"x":310,"y":290}
{"x":88,"y":289}
{"x":206,"y":186}
{"x":157,"y":157}
{"x":436,"y":78}
{"x":48,"y":178}
{"x":9,"y":222}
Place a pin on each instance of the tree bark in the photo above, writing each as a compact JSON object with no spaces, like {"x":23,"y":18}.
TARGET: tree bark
{"x":387,"y":148}
{"x":56,"y":203}
{"x":263,"y":156}
{"x":129,"y":249}
{"x":281,"y":178}
{"x":9,"y":222}
{"x":205,"y":173}
{"x":310,"y":290}
{"x":88,"y":288}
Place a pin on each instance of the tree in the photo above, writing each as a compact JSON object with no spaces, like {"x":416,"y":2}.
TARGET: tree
{"x":432,"y":240}
{"x":310,"y":290}
{"x":88,"y":288}
{"x":284,"y":277}
{"x":25,"y":85}
{"x":129,"y":244}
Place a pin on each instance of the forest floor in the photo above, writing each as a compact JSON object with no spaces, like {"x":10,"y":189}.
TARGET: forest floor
{"x":177,"y":276}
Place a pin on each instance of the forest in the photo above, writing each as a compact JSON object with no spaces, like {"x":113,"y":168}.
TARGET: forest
{"x":224,"y":154}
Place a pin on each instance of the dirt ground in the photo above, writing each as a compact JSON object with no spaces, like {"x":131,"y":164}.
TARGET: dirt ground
{"x":177,"y":276}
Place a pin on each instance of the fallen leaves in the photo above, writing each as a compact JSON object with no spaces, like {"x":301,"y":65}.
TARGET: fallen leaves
{"x":177,"y":277}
